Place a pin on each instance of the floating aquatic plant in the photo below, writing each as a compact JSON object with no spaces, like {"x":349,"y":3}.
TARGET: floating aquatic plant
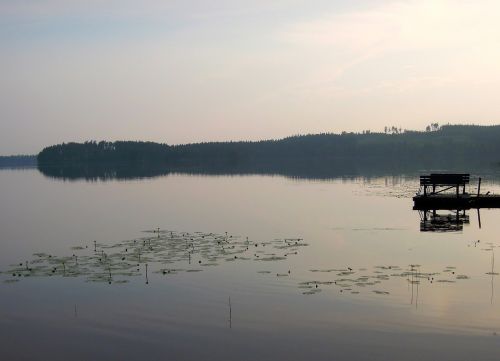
{"x":115,"y":263}
{"x":380,"y":292}
{"x":168,"y":253}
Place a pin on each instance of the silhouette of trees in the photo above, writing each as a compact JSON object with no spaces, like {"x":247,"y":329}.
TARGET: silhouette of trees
{"x":393,"y":130}
{"x":104,"y":152}
{"x":432,"y":127}
{"x":436,"y":143}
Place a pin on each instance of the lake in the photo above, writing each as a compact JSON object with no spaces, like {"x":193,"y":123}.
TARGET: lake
{"x":242,"y":267}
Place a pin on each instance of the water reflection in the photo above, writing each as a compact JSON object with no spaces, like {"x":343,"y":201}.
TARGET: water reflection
{"x":134,"y":171}
{"x":355,"y":281}
{"x":102,"y":172}
{"x":308,"y":168}
{"x":491,"y":248}
{"x":444,"y":221}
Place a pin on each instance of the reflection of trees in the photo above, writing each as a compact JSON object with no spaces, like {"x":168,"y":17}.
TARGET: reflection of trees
{"x":102,"y":172}
{"x":303,"y":168}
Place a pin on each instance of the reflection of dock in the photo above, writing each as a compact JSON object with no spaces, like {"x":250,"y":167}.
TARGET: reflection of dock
{"x":432,"y":221}
{"x":448,"y":191}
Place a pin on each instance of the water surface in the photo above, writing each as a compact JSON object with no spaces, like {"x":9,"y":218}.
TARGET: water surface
{"x":366,"y":283}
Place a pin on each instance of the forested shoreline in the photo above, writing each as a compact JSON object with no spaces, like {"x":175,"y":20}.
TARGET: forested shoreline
{"x":449,"y":143}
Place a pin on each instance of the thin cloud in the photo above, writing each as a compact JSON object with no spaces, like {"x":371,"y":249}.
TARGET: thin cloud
{"x":443,"y":34}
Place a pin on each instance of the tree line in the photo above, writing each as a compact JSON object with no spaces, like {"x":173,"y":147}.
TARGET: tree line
{"x":437,"y":143}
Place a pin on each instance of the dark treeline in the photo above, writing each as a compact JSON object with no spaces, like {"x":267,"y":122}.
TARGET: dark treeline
{"x":104,"y":153}
{"x":449,"y":143}
{"x":18,"y":161}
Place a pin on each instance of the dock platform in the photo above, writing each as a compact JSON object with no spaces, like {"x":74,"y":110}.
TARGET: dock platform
{"x":448,"y":192}
{"x":452,"y":201}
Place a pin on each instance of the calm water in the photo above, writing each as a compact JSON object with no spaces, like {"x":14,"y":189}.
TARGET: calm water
{"x":358,"y":238}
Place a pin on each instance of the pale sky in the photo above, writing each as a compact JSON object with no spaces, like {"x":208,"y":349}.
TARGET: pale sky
{"x":197,"y":70}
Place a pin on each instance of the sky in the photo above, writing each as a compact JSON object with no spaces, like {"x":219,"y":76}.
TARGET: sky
{"x":196,"y":70}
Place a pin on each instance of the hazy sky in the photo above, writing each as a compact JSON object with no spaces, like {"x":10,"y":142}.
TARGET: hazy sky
{"x":198,"y":70}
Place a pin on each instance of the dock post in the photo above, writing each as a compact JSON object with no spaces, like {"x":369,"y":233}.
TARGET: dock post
{"x":479,"y":187}
{"x":479,"y":218}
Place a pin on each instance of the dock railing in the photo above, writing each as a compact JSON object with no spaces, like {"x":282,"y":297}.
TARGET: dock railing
{"x":439,"y":183}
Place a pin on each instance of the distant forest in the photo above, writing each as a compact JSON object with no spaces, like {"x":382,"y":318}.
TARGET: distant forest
{"x":460,"y":148}
{"x":18,"y":161}
{"x":448,"y":143}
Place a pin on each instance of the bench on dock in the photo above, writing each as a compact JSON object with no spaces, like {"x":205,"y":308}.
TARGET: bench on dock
{"x":444,"y":181}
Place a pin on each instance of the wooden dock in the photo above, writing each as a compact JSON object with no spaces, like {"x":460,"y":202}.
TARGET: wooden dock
{"x":450,"y":201}
{"x":433,"y":188}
